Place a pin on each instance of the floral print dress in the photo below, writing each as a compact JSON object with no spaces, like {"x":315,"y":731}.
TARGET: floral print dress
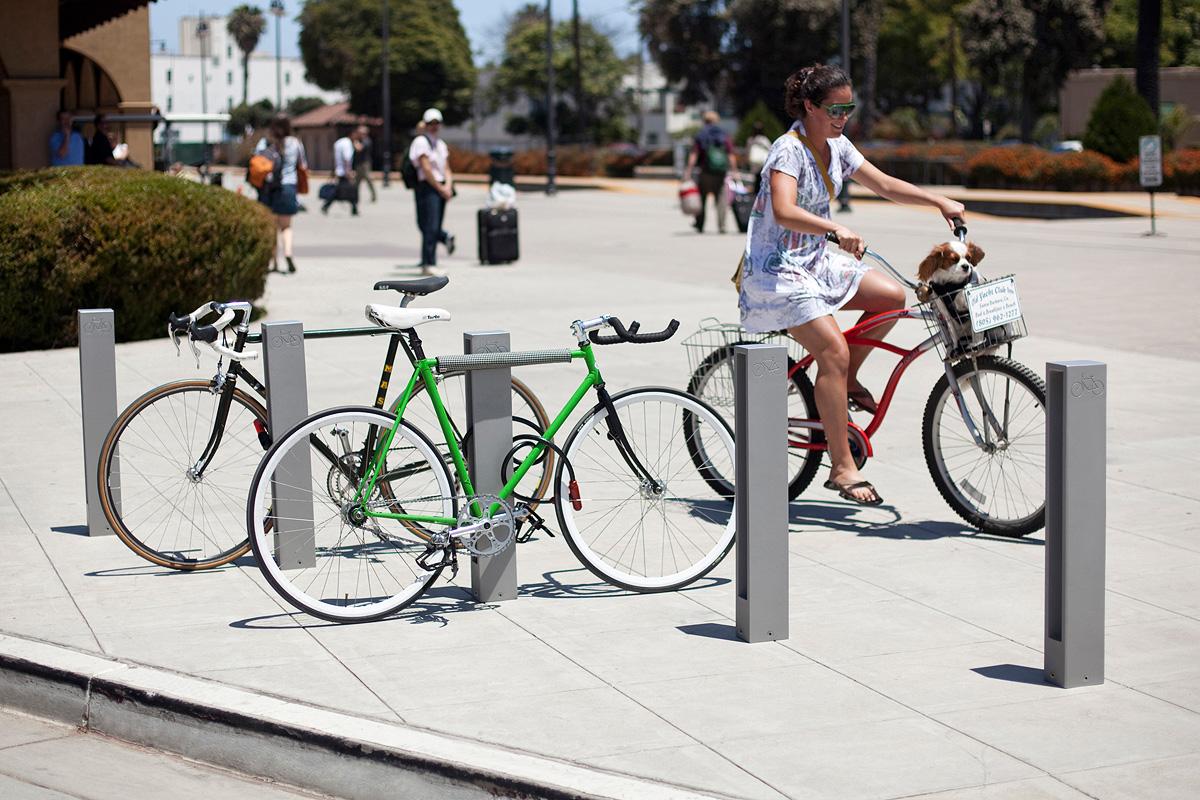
{"x":790,"y":278}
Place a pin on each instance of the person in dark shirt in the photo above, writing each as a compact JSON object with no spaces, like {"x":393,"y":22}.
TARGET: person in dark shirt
{"x":99,"y":147}
{"x":712,"y":151}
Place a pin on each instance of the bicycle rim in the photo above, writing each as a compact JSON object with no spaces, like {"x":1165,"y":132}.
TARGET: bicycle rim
{"x":353,"y":570}
{"x":713,"y":383}
{"x":1000,"y":487}
{"x":153,"y":498}
{"x":630,"y":532}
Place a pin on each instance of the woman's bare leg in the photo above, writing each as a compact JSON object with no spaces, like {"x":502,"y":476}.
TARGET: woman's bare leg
{"x":285,"y":232}
{"x":876,"y":294}
{"x":824,"y":340}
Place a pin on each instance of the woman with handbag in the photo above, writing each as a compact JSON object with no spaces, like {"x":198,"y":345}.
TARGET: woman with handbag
{"x":280,"y":192}
{"x":791,"y":280}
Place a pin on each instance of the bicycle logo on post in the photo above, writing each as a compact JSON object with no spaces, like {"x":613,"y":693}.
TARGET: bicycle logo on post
{"x":1088,"y":383}
{"x":286,"y":340}
{"x":768,"y":366}
{"x":93,"y":326}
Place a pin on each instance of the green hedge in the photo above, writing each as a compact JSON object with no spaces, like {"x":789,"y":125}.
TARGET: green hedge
{"x":141,"y":243}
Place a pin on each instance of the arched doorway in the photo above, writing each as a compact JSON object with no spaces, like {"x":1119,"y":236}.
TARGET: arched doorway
{"x":88,"y":87}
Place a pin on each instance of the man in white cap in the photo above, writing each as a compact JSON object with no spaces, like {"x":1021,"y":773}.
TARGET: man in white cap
{"x":435,"y":186}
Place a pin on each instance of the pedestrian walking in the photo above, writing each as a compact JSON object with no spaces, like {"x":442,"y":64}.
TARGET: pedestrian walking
{"x":362,"y":160}
{"x":66,"y":144}
{"x":434,"y":188}
{"x":278,"y":192}
{"x":713,"y":152}
{"x":758,"y":147}
{"x":791,"y":279}
{"x":343,"y":174}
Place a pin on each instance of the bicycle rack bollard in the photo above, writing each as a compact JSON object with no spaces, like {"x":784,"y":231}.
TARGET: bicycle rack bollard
{"x":1075,"y":522}
{"x":287,"y":404}
{"x":98,"y":398}
{"x":760,"y":416}
{"x":489,"y":421}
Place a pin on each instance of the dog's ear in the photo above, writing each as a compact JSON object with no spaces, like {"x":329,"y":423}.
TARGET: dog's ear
{"x":974,"y":253}
{"x":933,"y":262}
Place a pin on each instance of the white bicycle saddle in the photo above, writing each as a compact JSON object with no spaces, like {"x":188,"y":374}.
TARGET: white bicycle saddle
{"x":397,"y":318}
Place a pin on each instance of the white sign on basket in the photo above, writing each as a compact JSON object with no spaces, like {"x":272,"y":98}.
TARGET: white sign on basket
{"x":993,"y":304}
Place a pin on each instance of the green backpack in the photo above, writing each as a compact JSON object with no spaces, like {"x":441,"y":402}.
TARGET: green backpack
{"x":716,"y":157}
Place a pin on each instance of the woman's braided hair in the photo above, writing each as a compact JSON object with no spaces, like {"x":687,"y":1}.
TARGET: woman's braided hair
{"x":811,"y":83}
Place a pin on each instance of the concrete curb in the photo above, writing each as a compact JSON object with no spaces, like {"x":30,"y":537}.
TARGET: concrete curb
{"x":286,"y":741}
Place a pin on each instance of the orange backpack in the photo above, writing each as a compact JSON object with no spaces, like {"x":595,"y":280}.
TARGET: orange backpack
{"x":264,"y":169}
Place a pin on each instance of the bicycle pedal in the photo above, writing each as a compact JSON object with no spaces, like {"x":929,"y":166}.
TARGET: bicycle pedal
{"x":536,"y":523}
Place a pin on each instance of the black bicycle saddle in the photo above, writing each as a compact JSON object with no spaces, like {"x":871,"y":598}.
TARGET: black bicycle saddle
{"x":419,"y":286}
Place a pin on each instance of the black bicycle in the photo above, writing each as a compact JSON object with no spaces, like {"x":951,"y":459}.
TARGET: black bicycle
{"x":177,"y":463}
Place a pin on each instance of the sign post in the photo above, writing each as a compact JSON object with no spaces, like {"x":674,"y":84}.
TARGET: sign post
{"x":1150,"y":172}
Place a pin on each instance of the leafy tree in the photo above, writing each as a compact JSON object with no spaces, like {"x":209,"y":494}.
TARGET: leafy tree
{"x":244,"y":119}
{"x":1118,"y":118}
{"x":302,"y":105}
{"x":1067,"y":35}
{"x":686,"y":39}
{"x":1180,"y":35}
{"x":997,"y":38}
{"x":429,"y":58}
{"x":522,"y":73}
{"x":761,"y":112}
{"x":246,"y":24}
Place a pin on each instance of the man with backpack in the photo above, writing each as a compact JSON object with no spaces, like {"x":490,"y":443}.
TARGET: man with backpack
{"x":713,"y":153}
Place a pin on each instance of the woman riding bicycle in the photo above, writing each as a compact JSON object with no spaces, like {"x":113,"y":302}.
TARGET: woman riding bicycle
{"x":790,"y":280}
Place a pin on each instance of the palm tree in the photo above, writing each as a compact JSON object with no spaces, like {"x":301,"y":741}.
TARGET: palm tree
{"x":246,"y":25}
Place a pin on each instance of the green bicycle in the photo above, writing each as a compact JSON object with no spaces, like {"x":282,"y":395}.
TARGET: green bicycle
{"x":386,"y":517}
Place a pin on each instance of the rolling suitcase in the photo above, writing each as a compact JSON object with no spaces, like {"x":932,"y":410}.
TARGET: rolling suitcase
{"x":742,"y":204}
{"x":498,"y":236}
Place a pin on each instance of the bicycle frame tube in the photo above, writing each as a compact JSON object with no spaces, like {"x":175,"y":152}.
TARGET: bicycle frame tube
{"x":856,"y":336}
{"x":424,"y":372}
{"x":222,"y":415}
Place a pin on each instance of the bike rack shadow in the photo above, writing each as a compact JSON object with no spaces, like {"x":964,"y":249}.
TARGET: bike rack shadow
{"x":74,"y":530}
{"x":841,"y":517}
{"x":1014,"y":673}
{"x":711,"y":630}
{"x":422,"y":612}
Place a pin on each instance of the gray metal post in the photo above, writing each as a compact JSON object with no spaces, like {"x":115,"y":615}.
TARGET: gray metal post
{"x":760,"y":417}
{"x":489,"y":420}
{"x":98,"y":397}
{"x":1075,"y":519}
{"x":287,"y":404}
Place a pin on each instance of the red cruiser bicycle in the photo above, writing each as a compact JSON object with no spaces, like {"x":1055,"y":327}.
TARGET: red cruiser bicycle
{"x":984,"y":427}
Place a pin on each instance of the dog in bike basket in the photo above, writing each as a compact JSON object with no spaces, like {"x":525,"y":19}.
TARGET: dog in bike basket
{"x":946,"y":271}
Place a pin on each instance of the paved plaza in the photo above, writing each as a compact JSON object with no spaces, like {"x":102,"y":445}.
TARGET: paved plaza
{"x":914,"y":663}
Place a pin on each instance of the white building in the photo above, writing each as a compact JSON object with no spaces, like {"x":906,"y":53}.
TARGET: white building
{"x":175,"y":78}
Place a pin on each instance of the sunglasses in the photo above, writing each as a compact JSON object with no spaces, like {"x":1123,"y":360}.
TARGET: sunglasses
{"x":839,"y":110}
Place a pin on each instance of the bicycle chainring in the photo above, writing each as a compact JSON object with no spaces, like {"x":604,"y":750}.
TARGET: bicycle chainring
{"x":485,"y":535}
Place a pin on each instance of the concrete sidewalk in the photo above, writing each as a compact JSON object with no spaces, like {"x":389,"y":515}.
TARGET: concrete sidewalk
{"x":914,"y":663}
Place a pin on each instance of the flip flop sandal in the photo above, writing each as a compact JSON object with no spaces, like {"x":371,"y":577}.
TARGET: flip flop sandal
{"x":861,"y":400}
{"x":844,"y":492}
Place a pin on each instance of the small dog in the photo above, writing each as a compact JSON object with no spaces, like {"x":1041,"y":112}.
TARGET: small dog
{"x":947,"y":270}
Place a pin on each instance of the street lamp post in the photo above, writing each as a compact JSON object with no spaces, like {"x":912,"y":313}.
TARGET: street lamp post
{"x":550,"y":154}
{"x":385,"y":65}
{"x":277,"y":10}
{"x":202,"y":35}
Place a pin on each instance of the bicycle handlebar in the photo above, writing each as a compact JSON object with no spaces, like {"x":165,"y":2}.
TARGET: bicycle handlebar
{"x":630,"y":334}
{"x":208,"y":335}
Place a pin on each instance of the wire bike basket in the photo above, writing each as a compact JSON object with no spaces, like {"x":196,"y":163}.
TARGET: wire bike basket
{"x":713,"y":342}
{"x":977,"y":318}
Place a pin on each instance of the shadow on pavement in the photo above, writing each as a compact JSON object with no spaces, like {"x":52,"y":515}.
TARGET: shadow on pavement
{"x":841,"y":517}
{"x":712,"y":630}
{"x":1013,"y":673}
